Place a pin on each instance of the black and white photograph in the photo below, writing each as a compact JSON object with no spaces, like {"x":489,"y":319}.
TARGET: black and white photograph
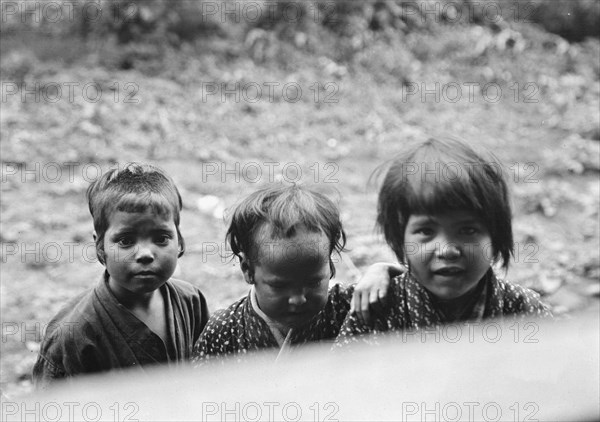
{"x":304,"y":210}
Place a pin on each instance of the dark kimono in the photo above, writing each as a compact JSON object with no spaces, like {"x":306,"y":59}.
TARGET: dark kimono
{"x":412,"y":307}
{"x":95,"y":333}
{"x":242,"y":328}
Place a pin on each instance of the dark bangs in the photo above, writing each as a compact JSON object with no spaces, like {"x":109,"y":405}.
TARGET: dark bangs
{"x":422,"y":196}
{"x":437,"y":176}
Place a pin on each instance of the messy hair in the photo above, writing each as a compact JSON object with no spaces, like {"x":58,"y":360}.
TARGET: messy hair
{"x":135,"y":188}
{"x":278,"y":212}
{"x":441,"y":175}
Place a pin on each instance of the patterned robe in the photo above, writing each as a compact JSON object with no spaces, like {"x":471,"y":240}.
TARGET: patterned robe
{"x":411,"y":307}
{"x":239,"y":329}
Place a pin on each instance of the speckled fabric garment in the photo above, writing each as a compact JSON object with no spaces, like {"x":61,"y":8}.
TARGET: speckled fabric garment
{"x":411,"y":308}
{"x":239,"y":330}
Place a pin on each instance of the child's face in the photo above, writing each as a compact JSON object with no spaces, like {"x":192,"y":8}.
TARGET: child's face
{"x":291,"y":277}
{"x":448,"y":253}
{"x":141,"y":250}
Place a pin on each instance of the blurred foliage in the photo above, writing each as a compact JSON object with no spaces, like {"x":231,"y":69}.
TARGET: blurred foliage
{"x":350,"y":33}
{"x":185,"y":20}
{"x":572,"y":20}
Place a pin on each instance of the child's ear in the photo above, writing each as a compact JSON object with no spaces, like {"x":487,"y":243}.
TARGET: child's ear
{"x":99,"y":247}
{"x":247,"y":269}
{"x":180,"y":244}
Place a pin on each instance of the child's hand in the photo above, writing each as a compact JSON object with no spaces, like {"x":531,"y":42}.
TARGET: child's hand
{"x":372,"y":288}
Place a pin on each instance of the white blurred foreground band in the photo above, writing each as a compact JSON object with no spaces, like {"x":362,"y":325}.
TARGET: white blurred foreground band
{"x":511,"y":371}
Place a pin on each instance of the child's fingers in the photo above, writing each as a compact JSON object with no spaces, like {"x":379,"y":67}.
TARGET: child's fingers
{"x":382,"y":293}
{"x":364,"y":302}
{"x":355,"y":306}
{"x":364,"y":307}
{"x":374,"y":296}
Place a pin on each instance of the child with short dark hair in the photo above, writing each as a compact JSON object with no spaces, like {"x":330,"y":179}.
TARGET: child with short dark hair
{"x":137,"y":315}
{"x":444,"y":210}
{"x":284,"y":238}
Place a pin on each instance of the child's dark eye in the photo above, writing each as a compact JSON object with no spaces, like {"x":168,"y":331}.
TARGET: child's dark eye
{"x":315,"y":283}
{"x":424,"y":231}
{"x":162,"y":239}
{"x":469,"y":231}
{"x":126,"y":241}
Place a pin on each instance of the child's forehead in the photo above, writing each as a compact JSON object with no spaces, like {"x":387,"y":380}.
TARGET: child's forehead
{"x":146,"y":217}
{"x":293,"y":259}
{"x":141,"y":203}
{"x":299,"y":238}
{"x":302,"y":249}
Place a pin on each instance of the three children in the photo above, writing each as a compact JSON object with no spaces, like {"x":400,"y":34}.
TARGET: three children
{"x":443,"y":208}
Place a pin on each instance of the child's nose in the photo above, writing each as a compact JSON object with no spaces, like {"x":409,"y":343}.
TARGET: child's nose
{"x":448,"y":251}
{"x":145,"y":254}
{"x":297,"y":299}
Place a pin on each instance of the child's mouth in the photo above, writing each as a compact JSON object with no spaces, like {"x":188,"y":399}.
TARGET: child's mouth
{"x":299,"y":316}
{"x":146,"y":274}
{"x":449,"y":271}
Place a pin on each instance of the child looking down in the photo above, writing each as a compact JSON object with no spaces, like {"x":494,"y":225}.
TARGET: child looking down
{"x":284,"y":238}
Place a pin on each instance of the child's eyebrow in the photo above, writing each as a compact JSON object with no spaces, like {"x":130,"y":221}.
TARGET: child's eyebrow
{"x":282,"y":281}
{"x":124,"y":230}
{"x":163,"y":230}
{"x":424,"y":220}
{"x":470,"y":221}
{"x":132,"y":230}
{"x":275,"y":282}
